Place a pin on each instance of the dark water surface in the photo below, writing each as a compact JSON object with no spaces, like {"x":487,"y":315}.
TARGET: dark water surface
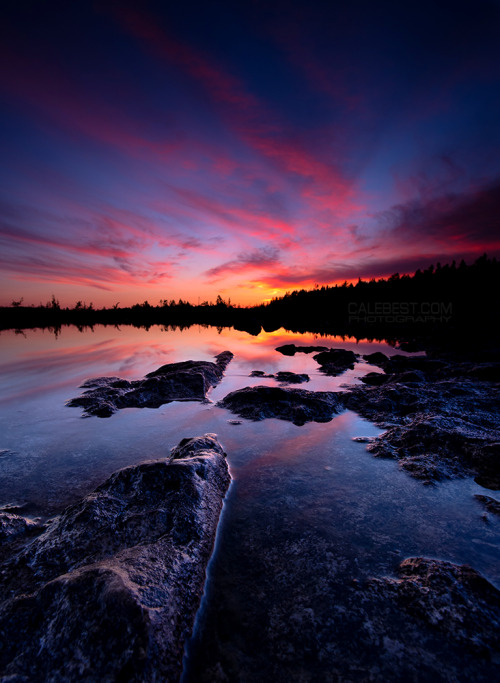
{"x":308,"y":512}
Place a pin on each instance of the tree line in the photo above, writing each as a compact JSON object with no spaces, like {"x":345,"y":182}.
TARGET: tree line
{"x":451,"y":298}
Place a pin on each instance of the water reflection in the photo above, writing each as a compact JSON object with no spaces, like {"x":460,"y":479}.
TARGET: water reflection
{"x":308,"y":511}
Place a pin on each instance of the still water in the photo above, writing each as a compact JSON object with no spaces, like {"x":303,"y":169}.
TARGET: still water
{"x":297,"y":492}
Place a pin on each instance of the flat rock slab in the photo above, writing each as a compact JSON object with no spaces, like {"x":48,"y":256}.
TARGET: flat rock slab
{"x":110,"y":590}
{"x":185,"y":381}
{"x":295,"y":405}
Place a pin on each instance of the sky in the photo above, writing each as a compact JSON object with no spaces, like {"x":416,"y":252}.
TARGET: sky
{"x":164,"y":150}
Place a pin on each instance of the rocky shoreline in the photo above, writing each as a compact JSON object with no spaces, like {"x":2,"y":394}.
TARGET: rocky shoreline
{"x":441,"y":416}
{"x":109,"y":589}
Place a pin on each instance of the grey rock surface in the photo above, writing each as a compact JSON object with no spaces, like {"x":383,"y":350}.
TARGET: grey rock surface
{"x":110,"y":589}
{"x":185,"y":381}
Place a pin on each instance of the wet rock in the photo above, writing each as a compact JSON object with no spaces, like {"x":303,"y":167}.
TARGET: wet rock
{"x":295,"y":405}
{"x":437,"y":428}
{"x":291,"y":377}
{"x":5,"y":452}
{"x":336,"y":361}
{"x":375,"y":378}
{"x":185,"y":381}
{"x":259,"y":373}
{"x":408,"y":376}
{"x":363,"y":439}
{"x":110,"y":590}
{"x":485,"y":459}
{"x":376,"y":358}
{"x":489,"y":372}
{"x":446,"y":606}
{"x":489,"y":503}
{"x":430,"y":621}
{"x":430,"y":367}
{"x":12,"y":526}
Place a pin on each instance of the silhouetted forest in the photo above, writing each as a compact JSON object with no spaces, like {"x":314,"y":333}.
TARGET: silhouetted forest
{"x":440,"y":300}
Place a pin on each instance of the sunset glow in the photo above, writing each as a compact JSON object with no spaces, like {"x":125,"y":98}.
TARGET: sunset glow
{"x":155,"y":150}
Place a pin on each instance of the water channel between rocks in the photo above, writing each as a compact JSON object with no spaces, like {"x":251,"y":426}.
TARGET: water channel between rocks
{"x":309,"y":514}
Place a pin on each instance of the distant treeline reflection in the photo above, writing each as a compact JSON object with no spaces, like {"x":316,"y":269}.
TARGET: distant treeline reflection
{"x":444,"y":300}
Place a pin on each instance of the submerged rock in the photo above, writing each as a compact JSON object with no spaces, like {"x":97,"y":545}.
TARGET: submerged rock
{"x":185,"y":381}
{"x":295,"y":405}
{"x":336,"y":361}
{"x":442,"y":616}
{"x":110,"y":590}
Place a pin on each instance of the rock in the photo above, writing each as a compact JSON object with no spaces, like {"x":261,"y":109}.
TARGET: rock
{"x":291,"y":377}
{"x":375,"y":378}
{"x":5,"y":452}
{"x":431,"y":427}
{"x":12,"y":526}
{"x":489,"y":372}
{"x":376,"y":358}
{"x":335,"y":361}
{"x":408,"y":376}
{"x":447,"y":605}
{"x":428,"y":621}
{"x":185,"y":381}
{"x":485,"y":459}
{"x":429,"y":366}
{"x":489,"y":503}
{"x":282,"y":376}
{"x":292,"y":349}
{"x":110,"y":590}
{"x":296,"y":405}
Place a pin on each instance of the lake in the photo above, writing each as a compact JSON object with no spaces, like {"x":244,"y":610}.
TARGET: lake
{"x":308,"y":510}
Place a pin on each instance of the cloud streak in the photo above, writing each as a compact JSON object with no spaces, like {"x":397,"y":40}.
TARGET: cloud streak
{"x":253,"y":147}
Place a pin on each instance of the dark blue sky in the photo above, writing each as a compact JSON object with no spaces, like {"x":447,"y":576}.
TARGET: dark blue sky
{"x":157,"y":150}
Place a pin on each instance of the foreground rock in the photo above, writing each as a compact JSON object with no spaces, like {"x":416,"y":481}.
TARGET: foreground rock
{"x":110,"y":590}
{"x":295,"y":405}
{"x":335,"y":361}
{"x":185,"y":381}
{"x":441,"y":416}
